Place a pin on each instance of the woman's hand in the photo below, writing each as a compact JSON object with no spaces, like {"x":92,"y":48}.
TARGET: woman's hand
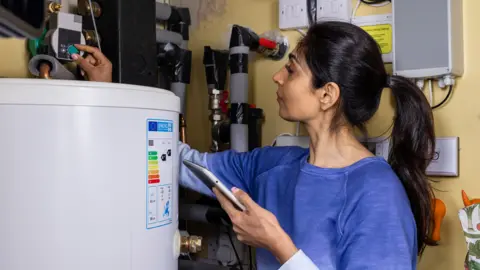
{"x":257,"y":227}
{"x":95,"y":66}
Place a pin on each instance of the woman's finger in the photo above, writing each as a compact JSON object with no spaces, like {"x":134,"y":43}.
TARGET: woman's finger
{"x":83,"y":63}
{"x":237,"y":229}
{"x":99,"y":56}
{"x":91,"y":59}
{"x":225,"y":203}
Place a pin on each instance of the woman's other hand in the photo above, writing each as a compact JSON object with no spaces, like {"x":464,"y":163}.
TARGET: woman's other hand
{"x":95,"y":67}
{"x":257,"y":227}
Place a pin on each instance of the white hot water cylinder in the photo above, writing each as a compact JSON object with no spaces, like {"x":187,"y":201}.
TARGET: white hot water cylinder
{"x":88,"y":176}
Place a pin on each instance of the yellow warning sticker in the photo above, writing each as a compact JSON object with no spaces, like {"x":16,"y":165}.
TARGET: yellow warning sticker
{"x":382,"y":33}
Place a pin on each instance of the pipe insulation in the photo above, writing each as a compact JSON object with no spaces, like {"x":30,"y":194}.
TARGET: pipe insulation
{"x":240,"y":41}
{"x":162,"y":11}
{"x":166,"y":36}
{"x":216,"y":69}
{"x":179,"y":64}
{"x":203,"y":213}
{"x":58,"y":71}
{"x":178,"y":21}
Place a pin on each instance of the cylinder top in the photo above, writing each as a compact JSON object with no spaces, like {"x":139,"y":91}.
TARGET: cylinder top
{"x":84,"y":93}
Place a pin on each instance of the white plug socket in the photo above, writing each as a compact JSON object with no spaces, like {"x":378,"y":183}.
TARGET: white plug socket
{"x":445,"y":161}
{"x":292,"y":14}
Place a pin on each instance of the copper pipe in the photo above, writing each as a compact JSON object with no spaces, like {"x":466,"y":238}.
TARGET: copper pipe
{"x":44,"y":71}
{"x":183,"y":129}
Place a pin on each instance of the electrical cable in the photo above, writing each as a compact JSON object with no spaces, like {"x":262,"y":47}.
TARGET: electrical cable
{"x":310,"y":12}
{"x":234,"y":248}
{"x":94,"y":25}
{"x":430,"y":91}
{"x":250,"y":254}
{"x":450,"y":90}
{"x":378,"y":3}
{"x":301,"y":32}
{"x":374,"y":2}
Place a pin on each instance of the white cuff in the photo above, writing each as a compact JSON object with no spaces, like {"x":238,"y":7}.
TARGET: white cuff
{"x":299,"y":261}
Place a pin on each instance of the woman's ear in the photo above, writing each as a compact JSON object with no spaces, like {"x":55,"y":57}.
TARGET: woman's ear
{"x":328,"y":95}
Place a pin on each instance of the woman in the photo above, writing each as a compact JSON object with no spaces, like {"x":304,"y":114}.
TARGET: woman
{"x":334,"y":205}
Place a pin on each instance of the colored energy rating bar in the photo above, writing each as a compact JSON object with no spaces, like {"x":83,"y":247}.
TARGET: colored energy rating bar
{"x":153,"y":172}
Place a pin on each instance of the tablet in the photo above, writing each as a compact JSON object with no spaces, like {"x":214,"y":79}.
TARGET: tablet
{"x":211,"y":181}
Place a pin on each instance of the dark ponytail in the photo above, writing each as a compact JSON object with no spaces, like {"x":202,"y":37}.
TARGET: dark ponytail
{"x":345,"y":54}
{"x":412,"y":147}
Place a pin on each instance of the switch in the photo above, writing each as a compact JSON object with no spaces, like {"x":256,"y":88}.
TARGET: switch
{"x":296,"y":11}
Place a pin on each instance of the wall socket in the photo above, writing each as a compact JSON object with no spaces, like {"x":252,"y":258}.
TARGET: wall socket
{"x":293,"y":14}
{"x":444,"y":163}
{"x":338,"y":10}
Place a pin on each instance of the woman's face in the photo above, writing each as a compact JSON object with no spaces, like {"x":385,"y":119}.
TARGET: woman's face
{"x":295,"y":95}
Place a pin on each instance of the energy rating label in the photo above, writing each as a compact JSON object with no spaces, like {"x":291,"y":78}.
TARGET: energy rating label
{"x":159,"y":180}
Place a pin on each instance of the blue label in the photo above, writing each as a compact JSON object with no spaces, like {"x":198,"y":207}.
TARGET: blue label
{"x":160,"y":126}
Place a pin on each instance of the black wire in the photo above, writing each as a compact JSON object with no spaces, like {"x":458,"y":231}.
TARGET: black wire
{"x":310,"y":12}
{"x":374,"y":2}
{"x":445,"y":99}
{"x":234,"y":249}
{"x":251,"y":258}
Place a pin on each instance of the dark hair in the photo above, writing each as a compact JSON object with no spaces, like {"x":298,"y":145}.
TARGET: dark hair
{"x":348,"y":56}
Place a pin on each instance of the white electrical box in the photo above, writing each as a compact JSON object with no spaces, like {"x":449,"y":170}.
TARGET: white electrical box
{"x":444,"y":163}
{"x":428,"y":38}
{"x":293,"y":14}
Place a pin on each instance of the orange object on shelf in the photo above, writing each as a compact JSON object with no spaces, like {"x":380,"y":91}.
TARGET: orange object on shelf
{"x":439,"y":212}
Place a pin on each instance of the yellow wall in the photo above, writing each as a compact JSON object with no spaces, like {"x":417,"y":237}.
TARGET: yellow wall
{"x":461,"y":116}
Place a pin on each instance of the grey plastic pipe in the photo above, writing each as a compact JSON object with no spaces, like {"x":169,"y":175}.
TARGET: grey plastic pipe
{"x":239,"y":94}
{"x":165,"y":36}
{"x":162,"y":11}
{"x":58,"y":71}
{"x":180,"y":90}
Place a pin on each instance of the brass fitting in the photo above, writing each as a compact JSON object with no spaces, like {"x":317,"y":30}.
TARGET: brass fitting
{"x":191,"y":244}
{"x":183,"y":129}
{"x":54,"y":7}
{"x":84,"y":8}
{"x":91,"y":37}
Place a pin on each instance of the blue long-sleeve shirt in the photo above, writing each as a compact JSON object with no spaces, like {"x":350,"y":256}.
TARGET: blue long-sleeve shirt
{"x":351,"y":218}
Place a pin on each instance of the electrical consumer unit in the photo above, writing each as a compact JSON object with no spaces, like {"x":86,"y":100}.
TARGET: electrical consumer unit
{"x":428,"y":38}
{"x":88,"y":176}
